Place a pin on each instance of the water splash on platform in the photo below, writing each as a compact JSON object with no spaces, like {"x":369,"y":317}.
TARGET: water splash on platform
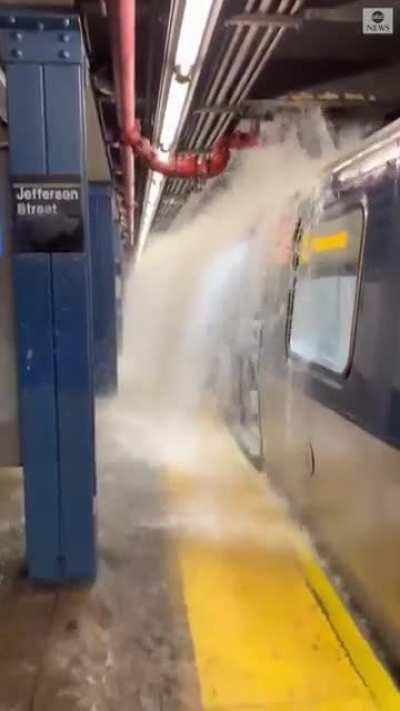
{"x":190,"y":303}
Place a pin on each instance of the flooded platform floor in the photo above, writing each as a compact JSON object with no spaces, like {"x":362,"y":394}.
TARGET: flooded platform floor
{"x":206,"y":599}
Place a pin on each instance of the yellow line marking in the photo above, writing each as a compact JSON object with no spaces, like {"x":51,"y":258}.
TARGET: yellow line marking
{"x":261,"y":638}
{"x":368,"y":665}
{"x":363,"y":657}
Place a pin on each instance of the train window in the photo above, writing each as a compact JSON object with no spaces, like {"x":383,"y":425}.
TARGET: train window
{"x":325,"y":293}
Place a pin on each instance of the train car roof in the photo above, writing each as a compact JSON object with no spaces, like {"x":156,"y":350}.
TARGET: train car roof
{"x":374,"y":153}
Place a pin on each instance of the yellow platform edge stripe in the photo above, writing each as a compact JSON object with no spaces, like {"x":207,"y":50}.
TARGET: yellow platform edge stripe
{"x":364,"y":659}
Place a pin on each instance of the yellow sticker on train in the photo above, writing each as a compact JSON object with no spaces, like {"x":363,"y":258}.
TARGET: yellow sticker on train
{"x":326,"y":243}
{"x":330,"y":243}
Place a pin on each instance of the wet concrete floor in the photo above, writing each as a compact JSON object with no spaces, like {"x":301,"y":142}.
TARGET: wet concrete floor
{"x":121,"y":645}
{"x":200,"y":604}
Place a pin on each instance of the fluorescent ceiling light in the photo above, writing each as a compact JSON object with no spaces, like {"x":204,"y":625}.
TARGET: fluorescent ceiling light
{"x":155,"y":186}
{"x":153,"y":200}
{"x":194,"y":22}
{"x":176,"y":100}
{"x":155,"y":189}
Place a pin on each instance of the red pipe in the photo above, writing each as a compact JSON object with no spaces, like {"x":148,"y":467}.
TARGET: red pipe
{"x":122,"y":14}
{"x":190,"y":165}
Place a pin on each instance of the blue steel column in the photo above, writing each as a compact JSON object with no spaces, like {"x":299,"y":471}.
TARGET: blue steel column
{"x":44,"y":58}
{"x":102,"y":246}
{"x":119,"y":281}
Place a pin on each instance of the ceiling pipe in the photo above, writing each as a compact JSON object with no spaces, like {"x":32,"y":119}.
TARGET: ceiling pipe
{"x":190,"y":165}
{"x":122,"y":17}
{"x":246,"y":77}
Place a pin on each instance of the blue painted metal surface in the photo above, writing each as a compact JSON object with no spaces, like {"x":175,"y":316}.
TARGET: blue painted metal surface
{"x":62,"y":41}
{"x":73,"y":356}
{"x":63,"y":105}
{"x":53,"y":305}
{"x":27,"y":137}
{"x":38,"y":413}
{"x":102,"y":246}
{"x":119,"y":282}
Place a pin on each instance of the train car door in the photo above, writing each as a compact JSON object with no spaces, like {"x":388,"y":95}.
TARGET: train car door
{"x":345,"y":334}
{"x":287,"y":452}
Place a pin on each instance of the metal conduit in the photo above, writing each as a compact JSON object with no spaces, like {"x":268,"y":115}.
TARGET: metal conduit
{"x":261,"y":57}
{"x":221,"y":74}
{"x":253,"y":71}
{"x":234,"y":71}
{"x":217,"y":93}
{"x":242,"y":89}
{"x":263,"y":47}
{"x":227,"y":84}
{"x":229,"y":74}
{"x":222,"y":84}
{"x":179,"y":187}
{"x":241,"y":93}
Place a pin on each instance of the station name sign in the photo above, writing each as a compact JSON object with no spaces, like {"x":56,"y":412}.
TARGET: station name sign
{"x":48,"y":214}
{"x":39,"y":200}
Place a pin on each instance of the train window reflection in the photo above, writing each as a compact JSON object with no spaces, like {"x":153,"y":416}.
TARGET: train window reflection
{"x":326,"y":290}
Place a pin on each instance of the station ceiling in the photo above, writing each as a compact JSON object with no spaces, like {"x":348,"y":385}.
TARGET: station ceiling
{"x":326,"y":55}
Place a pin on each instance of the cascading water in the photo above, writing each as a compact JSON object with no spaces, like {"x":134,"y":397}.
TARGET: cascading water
{"x":191,"y":299}
{"x":168,"y":470}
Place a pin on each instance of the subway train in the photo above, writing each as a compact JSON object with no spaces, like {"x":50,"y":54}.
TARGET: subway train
{"x":320,"y":386}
